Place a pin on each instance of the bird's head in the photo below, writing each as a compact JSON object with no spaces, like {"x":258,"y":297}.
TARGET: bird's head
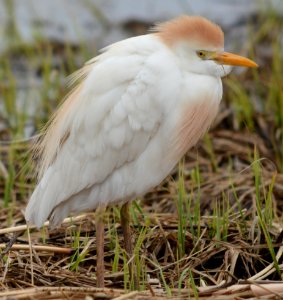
{"x":199,"y":46}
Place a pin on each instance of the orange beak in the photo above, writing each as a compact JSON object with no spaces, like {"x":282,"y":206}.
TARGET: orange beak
{"x":226,"y":58}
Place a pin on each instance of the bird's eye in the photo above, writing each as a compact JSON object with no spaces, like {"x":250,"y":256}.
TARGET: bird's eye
{"x":201,"y":54}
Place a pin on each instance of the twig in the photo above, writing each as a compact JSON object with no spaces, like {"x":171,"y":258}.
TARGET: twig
{"x":30,"y":291}
{"x":24,"y":227}
{"x":39,"y":248}
{"x":10,"y":244}
{"x":127,"y":296}
{"x":266,"y":271}
{"x":30,"y":256}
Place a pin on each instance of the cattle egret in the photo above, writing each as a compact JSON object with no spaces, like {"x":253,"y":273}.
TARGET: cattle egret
{"x":136,"y":110}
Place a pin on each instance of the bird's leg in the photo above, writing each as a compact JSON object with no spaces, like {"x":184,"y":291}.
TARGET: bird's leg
{"x":125,"y":223}
{"x":99,"y":224}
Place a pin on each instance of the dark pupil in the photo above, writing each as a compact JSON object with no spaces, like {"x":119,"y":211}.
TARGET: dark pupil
{"x":201,"y":53}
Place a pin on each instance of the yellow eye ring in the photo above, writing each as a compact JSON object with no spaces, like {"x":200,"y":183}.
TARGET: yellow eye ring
{"x":201,"y":54}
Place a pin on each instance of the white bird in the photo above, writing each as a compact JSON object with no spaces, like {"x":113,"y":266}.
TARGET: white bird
{"x":136,"y":110}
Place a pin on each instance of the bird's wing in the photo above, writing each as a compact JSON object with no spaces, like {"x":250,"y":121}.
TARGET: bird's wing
{"x":105,"y":123}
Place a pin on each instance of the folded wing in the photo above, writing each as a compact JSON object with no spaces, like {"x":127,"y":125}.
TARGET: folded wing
{"x":105,"y":123}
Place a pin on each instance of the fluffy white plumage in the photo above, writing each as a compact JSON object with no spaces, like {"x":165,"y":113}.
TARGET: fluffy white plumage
{"x":137,"y":109}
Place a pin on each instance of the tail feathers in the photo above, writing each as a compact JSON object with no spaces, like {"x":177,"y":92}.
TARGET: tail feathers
{"x":74,"y":205}
{"x":34,"y":213}
{"x":44,"y":205}
{"x":51,"y":201}
{"x":44,"y":198}
{"x":41,"y":208}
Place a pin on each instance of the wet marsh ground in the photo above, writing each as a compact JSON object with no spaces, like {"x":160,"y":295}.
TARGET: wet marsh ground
{"x":214,"y":223}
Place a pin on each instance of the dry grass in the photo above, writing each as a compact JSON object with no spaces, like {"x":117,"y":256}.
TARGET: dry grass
{"x":213,"y":229}
{"x":213,"y":257}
